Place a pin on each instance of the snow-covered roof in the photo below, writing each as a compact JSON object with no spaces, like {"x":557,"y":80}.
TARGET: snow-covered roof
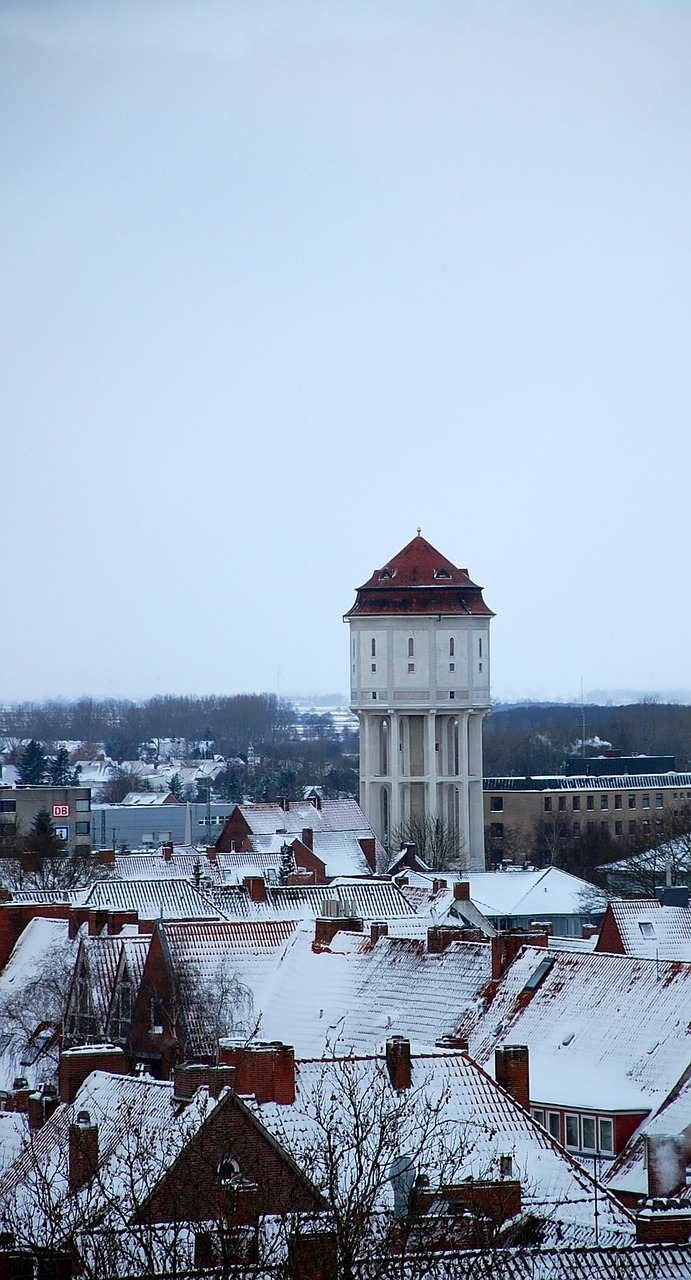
{"x":217,"y":953}
{"x":589,"y":782}
{"x":628,"y":1173}
{"x":340,"y":851}
{"x":33,"y":987}
{"x":368,"y":898}
{"x":152,"y":899}
{"x":549,"y":892}
{"x":353,"y":994}
{"x":603,"y":1031}
{"x":648,"y":929}
{"x":478,"y":1123}
{"x":330,"y":815}
{"x":185,"y":864}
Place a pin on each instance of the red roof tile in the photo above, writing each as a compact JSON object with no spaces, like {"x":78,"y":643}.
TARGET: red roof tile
{"x":419,"y":579}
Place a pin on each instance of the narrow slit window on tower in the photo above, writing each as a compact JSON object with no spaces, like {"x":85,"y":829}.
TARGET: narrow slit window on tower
{"x":452,"y":666}
{"x":374,"y":666}
{"x":452,"y":647}
{"x":479,"y":647}
{"x":374,"y":648}
{"x":411,"y":648}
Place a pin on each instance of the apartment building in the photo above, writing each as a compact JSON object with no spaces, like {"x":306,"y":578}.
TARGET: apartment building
{"x":617,"y":805}
{"x":69,"y":808}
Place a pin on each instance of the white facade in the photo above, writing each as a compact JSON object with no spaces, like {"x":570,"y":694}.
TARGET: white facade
{"x":420,"y":686}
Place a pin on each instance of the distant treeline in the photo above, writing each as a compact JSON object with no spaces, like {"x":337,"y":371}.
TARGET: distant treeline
{"x":231,"y":723}
{"x":536,"y":738}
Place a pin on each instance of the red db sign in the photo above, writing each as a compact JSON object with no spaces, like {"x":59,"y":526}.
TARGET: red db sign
{"x":61,"y":811}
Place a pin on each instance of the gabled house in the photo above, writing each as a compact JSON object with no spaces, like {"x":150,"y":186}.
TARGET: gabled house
{"x":608,"y":1037}
{"x":201,"y":979}
{"x":297,"y":818}
{"x":646,"y":928}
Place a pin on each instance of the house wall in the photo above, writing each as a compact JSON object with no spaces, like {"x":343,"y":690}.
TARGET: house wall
{"x":69,"y":807}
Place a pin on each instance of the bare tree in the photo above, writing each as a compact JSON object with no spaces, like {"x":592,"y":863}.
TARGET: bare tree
{"x":440,"y":845}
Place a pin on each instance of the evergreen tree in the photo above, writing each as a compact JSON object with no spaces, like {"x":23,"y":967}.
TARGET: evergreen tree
{"x":177,"y":787}
{"x":60,"y":772}
{"x":287,"y":866}
{"x":33,"y":765}
{"x":42,"y":842}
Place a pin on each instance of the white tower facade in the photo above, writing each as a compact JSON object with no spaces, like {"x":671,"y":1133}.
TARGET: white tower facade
{"x":420,"y":686}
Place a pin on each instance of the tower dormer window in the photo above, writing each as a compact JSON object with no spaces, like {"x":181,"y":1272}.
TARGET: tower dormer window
{"x":442,"y":573}
{"x":411,"y":648}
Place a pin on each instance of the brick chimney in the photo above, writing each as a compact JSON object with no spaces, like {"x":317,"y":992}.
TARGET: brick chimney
{"x":211,"y":852}
{"x":167,"y":852}
{"x":307,"y":838}
{"x":256,"y":885}
{"x":188,"y":1077}
{"x":283,"y":803}
{"x":76,"y":1064}
{"x":507,"y":945}
{"x":106,"y":857}
{"x":512,"y":1072}
{"x":440,"y":936}
{"x":398,"y":1062}
{"x":118,"y":919}
{"x":461,"y":891}
{"x":368,"y":845}
{"x":326,"y":928}
{"x":18,"y":1099}
{"x":458,"y":1043}
{"x":664,"y":1220}
{"x":266,"y":1070}
{"x":83,"y":1151}
{"x":378,"y":929}
{"x":665,"y":1160}
{"x":42,"y":1104}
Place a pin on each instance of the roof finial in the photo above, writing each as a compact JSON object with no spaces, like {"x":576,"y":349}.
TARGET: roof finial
{"x":419,"y":530}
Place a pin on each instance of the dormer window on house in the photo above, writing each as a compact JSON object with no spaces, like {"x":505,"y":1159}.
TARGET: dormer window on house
{"x":385,"y":573}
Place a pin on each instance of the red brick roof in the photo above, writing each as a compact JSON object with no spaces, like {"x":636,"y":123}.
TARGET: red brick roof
{"x":419,"y":579}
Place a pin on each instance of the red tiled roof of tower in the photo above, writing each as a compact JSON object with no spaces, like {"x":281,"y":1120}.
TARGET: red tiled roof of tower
{"x":419,"y":579}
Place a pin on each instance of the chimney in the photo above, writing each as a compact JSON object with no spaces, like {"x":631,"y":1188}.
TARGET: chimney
{"x":511,"y":1071}
{"x":461,"y":891}
{"x":83,"y":1151}
{"x":283,"y":803}
{"x":307,"y":838}
{"x":42,"y":1104}
{"x":76,"y":1064}
{"x":398,"y":1062}
{"x":188,"y":1077}
{"x":378,"y":929}
{"x":19,"y":1097}
{"x":368,"y":845}
{"x":211,"y":852}
{"x":589,"y":931}
{"x":256,"y":885}
{"x":220,"y":1078}
{"x":458,"y":1043}
{"x":507,"y":945}
{"x":665,"y":1159}
{"x":265,"y":1069}
{"x":167,"y":852}
{"x":317,"y":801}
{"x":97,"y":921}
{"x":440,"y":936}
{"x":664,"y":1220}
{"x":410,"y":859}
{"x":106,"y":857}
{"x":118,"y":919}
{"x":326,"y":928}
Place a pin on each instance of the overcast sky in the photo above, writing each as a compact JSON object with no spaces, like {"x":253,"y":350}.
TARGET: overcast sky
{"x":282,"y":281}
